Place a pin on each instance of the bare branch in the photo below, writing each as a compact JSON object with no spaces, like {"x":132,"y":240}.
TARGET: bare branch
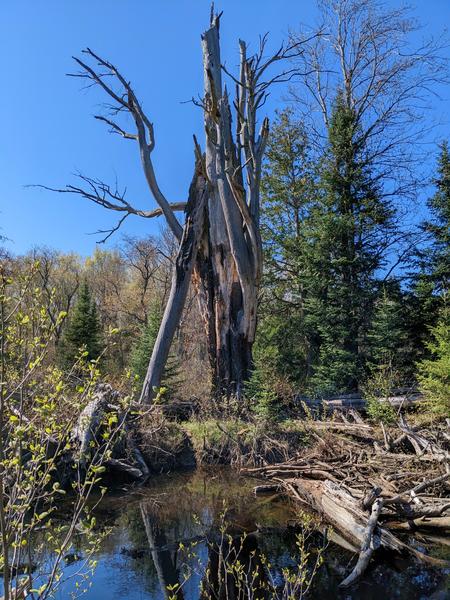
{"x":127,"y":100}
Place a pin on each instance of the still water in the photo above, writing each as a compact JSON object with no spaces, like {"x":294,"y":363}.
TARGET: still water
{"x":175,"y":525}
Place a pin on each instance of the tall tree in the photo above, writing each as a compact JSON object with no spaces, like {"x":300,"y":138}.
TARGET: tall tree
{"x":431,"y":276}
{"x":83,"y":329}
{"x":284,"y":343}
{"x":363,"y":99}
{"x":350,"y":219}
{"x":434,"y":259}
{"x":221,"y":235}
{"x":370,"y":56}
{"x":321,"y":227}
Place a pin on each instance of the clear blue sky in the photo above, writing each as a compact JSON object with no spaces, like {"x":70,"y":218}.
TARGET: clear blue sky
{"x":47,"y":127}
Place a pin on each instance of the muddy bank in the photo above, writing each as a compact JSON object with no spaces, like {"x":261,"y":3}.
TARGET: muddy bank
{"x":171,"y":446}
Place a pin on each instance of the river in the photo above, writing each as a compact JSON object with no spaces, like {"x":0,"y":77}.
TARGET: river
{"x":166,"y":535}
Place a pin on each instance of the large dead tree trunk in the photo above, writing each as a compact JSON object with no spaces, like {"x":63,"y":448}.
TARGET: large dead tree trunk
{"x":224,"y":247}
{"x":229,"y":263}
{"x":181,"y":278}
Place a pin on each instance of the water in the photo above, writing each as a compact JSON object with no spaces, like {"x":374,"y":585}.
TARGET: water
{"x":142,"y":557}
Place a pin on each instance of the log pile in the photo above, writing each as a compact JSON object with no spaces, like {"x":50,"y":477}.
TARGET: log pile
{"x":368,"y":482}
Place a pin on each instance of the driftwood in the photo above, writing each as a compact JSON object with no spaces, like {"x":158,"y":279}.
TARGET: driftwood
{"x":349,"y":402}
{"x":368,"y":481}
{"x":125,"y":457}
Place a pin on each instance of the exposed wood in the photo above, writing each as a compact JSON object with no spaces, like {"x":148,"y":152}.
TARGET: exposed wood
{"x":229,"y":264}
{"x":181,"y":278}
{"x":364,"y":490}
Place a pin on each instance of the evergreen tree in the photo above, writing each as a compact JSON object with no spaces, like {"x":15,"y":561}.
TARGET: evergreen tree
{"x":434,"y":373}
{"x":322,"y":236}
{"x":387,"y":338}
{"x":288,"y":188}
{"x":430,"y":281}
{"x":83,"y":329}
{"x":142,"y":350}
{"x":346,"y":228}
{"x":437,"y":256}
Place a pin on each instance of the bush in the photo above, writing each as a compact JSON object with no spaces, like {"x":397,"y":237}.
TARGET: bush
{"x":434,"y":373}
{"x":380,"y":385}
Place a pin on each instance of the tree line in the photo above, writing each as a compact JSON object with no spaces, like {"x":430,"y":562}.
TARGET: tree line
{"x":301,"y":228}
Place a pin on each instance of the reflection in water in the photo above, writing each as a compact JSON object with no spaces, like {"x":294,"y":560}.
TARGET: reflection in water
{"x":164,"y":559}
{"x":176,"y":533}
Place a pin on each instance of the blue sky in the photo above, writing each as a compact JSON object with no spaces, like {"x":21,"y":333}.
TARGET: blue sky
{"x":47,"y":128}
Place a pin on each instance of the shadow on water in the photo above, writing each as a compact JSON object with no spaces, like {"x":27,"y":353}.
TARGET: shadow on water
{"x":186,"y":533}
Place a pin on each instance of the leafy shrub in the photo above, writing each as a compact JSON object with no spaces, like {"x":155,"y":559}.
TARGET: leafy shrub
{"x":434,"y":373}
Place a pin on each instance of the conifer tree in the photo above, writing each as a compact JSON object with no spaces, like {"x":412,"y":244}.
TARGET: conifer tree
{"x":283,"y":342}
{"x":346,"y":227}
{"x":322,"y":232}
{"x":434,"y":373}
{"x":390,"y":345}
{"x":83,"y":329}
{"x":431,"y":278}
{"x":438,"y":254}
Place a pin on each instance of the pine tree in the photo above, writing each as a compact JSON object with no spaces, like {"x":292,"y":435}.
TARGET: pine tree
{"x":387,"y":338}
{"x":430,"y":281}
{"x":82,"y":331}
{"x":438,"y":254}
{"x":142,"y":350}
{"x":322,"y":232}
{"x":283,"y":344}
{"x":346,"y":227}
{"x":434,"y":373}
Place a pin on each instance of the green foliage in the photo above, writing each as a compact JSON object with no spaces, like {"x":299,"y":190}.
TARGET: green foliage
{"x":388,"y":340}
{"x":430,"y":279}
{"x":382,"y":380}
{"x":264,"y":401}
{"x":434,"y":373}
{"x":436,"y":257}
{"x":142,"y":351}
{"x":322,"y":229}
{"x":39,"y":409}
{"x":238,"y":568}
{"x":82,"y":331}
{"x":288,"y":190}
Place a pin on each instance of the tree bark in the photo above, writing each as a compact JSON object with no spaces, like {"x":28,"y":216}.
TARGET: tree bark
{"x":229,"y":262}
{"x":224,"y":224}
{"x":181,"y":278}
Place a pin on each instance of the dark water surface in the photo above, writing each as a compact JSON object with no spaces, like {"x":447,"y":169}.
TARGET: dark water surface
{"x":142,"y":556}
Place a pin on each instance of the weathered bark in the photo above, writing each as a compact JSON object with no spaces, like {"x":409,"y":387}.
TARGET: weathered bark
{"x":181,"y":279}
{"x":229,"y":263}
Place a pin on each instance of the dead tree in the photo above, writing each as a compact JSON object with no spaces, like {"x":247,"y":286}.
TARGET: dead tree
{"x":220,"y":242}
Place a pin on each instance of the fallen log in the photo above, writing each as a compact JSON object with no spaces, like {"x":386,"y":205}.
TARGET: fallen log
{"x":88,"y":434}
{"x":442,"y":523}
{"x":364,"y":489}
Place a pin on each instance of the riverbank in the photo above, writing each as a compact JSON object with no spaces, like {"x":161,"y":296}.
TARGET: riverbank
{"x":170,"y":445}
